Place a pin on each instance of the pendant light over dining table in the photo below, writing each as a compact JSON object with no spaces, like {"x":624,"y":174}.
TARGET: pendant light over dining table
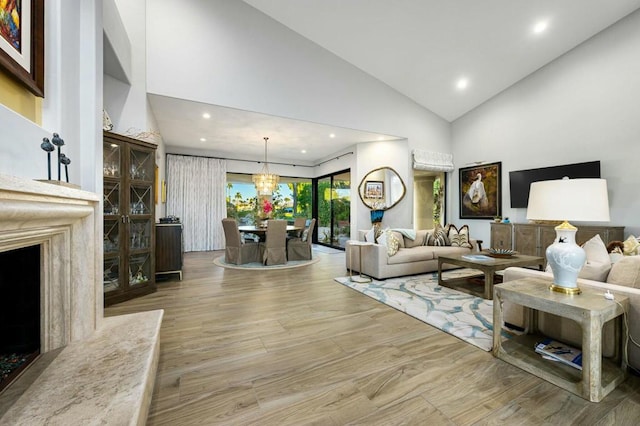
{"x":266,"y":182}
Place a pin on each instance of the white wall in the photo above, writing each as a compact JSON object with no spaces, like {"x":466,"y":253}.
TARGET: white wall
{"x":582,"y":107}
{"x":73,"y":93}
{"x":386,"y":154}
{"x":239,"y":57}
{"x":127,"y":104}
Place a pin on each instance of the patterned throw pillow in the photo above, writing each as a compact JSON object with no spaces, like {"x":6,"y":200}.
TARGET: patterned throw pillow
{"x":390,"y":241}
{"x":458,"y":237}
{"x":438,"y":237}
{"x":631,"y":246}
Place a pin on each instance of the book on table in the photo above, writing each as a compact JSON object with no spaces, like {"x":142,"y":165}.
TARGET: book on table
{"x":558,"y":351}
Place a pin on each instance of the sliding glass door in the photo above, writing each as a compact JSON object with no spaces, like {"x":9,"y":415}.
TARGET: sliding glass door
{"x":333,"y":201}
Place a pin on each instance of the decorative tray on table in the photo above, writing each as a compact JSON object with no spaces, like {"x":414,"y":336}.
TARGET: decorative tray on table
{"x":501,"y":253}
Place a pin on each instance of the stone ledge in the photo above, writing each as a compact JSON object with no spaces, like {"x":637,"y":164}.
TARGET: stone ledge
{"x":105,"y":379}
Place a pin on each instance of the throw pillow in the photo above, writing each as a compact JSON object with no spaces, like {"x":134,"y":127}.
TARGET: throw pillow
{"x":459,"y":237}
{"x":398,"y":236}
{"x":370,"y":236}
{"x":305,"y":234}
{"x":631,"y":246}
{"x":598,"y":262}
{"x":626,"y":272}
{"x":438,"y":237}
{"x":390,"y":241}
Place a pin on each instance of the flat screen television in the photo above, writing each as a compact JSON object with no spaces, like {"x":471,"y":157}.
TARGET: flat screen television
{"x":520,"y":180}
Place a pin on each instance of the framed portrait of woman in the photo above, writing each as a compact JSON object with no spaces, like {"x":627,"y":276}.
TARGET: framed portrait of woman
{"x":481,"y":191}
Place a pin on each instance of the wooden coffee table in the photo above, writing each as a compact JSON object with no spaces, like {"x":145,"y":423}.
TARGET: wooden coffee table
{"x":487,"y":264}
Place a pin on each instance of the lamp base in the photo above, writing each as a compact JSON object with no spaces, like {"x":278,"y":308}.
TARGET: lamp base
{"x":566,"y":259}
{"x":565,"y":290}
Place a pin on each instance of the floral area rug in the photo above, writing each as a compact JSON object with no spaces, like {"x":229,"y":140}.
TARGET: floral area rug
{"x":467,"y":317}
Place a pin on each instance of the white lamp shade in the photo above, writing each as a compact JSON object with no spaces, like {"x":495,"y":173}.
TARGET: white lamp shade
{"x":579,"y":200}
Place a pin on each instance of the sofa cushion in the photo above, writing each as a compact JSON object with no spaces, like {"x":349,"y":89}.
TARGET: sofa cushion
{"x":598,"y":262}
{"x":438,"y":237}
{"x":458,"y":237}
{"x":626,"y":272}
{"x":410,"y":255}
{"x":419,"y":240}
{"x":449,"y":250}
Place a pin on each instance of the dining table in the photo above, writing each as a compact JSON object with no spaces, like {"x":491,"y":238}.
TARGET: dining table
{"x":261,"y":231}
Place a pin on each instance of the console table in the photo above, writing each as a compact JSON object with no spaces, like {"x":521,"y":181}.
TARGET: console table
{"x":533,"y":238}
{"x":599,"y":376}
{"x":169,"y":249}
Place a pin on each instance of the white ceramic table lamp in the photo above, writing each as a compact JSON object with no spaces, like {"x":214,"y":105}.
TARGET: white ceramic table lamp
{"x":568,"y":199}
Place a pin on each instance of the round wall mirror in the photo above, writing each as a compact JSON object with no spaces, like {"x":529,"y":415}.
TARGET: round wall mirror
{"x":381,"y":189}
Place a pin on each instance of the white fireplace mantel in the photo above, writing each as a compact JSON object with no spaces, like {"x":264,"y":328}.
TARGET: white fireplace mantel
{"x":105,"y":368}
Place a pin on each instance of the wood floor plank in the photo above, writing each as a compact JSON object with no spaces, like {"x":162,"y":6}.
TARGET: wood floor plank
{"x":295,"y":347}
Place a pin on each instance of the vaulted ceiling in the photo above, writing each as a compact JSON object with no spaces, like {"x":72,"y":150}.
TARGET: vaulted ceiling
{"x":424,"y":49}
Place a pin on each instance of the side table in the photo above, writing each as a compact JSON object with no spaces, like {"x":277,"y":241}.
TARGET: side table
{"x":360,"y":278}
{"x":590,"y":310}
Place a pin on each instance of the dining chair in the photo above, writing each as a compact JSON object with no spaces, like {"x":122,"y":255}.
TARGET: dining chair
{"x":236,"y":251}
{"x":300,"y":222}
{"x":274,"y":250}
{"x":300,"y":248}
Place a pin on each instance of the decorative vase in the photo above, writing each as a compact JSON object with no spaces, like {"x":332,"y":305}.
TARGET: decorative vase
{"x":376,"y":216}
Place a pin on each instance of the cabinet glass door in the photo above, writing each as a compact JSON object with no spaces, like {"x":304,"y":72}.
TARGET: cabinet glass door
{"x":139,"y":269}
{"x":141,"y":165}
{"x":112,"y":163}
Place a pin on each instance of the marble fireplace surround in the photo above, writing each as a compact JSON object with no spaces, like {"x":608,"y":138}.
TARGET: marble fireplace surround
{"x":96,"y":368}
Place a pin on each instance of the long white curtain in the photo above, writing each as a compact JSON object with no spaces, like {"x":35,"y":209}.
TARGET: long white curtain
{"x":196,"y":194}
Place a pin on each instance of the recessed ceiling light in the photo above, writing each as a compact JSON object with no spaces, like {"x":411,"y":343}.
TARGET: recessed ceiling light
{"x":304,"y":151}
{"x":206,"y":115}
{"x":203,"y":140}
{"x":113,"y":145}
{"x":462,"y":84}
{"x":540,"y":27}
{"x":380,"y":138}
{"x":332,"y":135}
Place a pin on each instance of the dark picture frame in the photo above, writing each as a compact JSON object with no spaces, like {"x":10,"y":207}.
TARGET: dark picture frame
{"x":481,"y":191}
{"x":374,"y":189}
{"x":31,"y":42}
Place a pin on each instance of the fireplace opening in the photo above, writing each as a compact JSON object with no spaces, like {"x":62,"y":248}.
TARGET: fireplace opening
{"x":19,"y":311}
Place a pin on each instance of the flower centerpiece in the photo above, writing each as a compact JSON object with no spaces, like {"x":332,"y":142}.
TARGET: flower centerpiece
{"x":267,"y":208}
{"x":265,"y":211}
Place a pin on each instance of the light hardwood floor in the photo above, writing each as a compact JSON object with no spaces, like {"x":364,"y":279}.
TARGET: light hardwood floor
{"x":295,"y":347}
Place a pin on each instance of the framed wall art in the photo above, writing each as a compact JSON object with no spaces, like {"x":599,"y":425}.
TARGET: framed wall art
{"x":22,"y":42}
{"x":481,"y":191}
{"x":374,"y":189}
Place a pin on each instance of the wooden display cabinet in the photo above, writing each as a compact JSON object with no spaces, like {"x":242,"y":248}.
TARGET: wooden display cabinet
{"x":129,"y":213}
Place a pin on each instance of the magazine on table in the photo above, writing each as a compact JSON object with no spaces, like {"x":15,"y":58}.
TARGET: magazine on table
{"x":558,"y":351}
{"x":476,"y":257}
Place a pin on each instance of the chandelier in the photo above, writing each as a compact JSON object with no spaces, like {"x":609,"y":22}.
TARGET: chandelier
{"x":265,"y":182}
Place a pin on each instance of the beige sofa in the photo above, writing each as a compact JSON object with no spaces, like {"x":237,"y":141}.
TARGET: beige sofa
{"x":622,"y":280}
{"x":413,"y":256}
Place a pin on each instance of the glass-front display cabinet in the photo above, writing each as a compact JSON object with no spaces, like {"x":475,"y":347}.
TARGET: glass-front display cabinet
{"x":129,"y":216}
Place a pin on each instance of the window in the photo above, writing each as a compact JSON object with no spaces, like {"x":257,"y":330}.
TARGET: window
{"x":292,"y":198}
